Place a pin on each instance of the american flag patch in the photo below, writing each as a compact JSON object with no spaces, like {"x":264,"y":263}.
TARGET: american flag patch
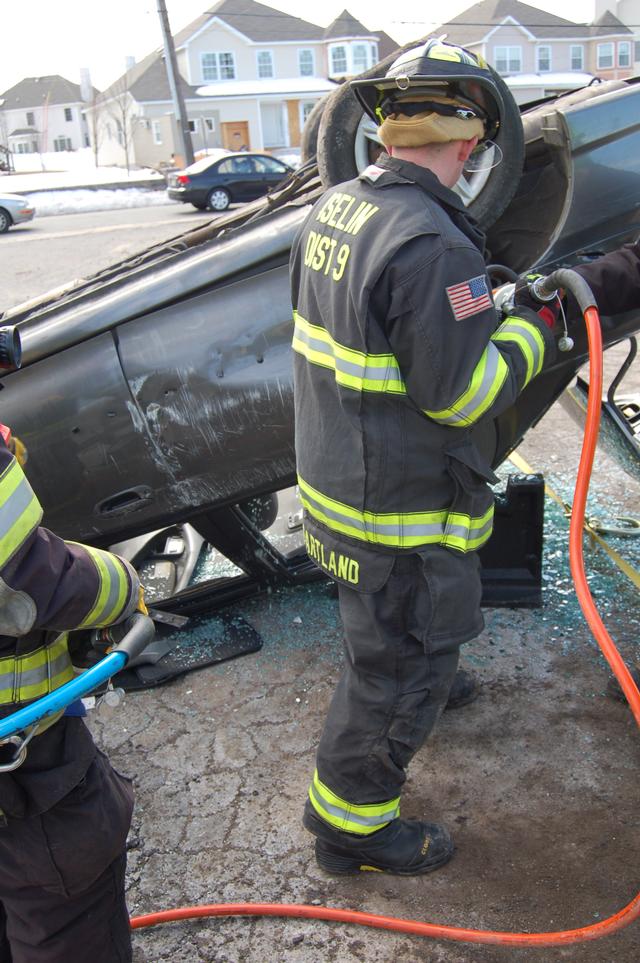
{"x":469,"y":298}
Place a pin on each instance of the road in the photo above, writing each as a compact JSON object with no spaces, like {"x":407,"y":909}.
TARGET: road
{"x":50,"y":251}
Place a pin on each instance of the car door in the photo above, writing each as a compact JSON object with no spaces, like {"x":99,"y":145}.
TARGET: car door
{"x":270,"y":172}
{"x":238,"y":176}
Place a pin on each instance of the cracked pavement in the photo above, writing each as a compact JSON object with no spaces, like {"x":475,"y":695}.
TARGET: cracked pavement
{"x":537,"y":779}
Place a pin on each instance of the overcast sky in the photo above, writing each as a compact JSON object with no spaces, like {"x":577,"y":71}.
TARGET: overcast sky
{"x":44,"y":37}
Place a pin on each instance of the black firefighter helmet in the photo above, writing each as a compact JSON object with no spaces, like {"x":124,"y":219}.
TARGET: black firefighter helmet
{"x":460,"y":83}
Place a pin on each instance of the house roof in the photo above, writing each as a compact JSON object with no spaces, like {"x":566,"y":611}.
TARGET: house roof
{"x":346,"y":26}
{"x":606,"y":25}
{"x":256,"y":21}
{"x":34,"y":91}
{"x":473,"y":24}
{"x":147,"y":81}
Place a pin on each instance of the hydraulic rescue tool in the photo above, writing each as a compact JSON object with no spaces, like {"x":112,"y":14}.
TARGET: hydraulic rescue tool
{"x":545,"y":289}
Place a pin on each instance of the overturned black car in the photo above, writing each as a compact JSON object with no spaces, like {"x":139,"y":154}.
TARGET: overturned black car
{"x":159,"y":391}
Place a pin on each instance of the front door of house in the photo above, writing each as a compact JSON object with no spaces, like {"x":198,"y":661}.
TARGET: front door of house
{"x":235,"y":135}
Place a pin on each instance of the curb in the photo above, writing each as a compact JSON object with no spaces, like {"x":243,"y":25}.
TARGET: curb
{"x":154,"y":185}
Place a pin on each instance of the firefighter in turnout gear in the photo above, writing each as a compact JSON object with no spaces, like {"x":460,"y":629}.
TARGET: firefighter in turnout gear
{"x":399,"y":353}
{"x":64,"y":812}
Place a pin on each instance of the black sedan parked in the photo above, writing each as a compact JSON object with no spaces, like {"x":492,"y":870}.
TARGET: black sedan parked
{"x":215,"y":183}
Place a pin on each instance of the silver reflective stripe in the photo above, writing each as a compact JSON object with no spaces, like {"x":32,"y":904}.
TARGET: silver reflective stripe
{"x":361,"y":370}
{"x":473,"y":406}
{"x":349,"y":816}
{"x":17,"y":680}
{"x":376,"y":526}
{"x":116,"y":580}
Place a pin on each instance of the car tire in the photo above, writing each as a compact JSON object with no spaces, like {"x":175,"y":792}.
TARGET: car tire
{"x":309,"y":140}
{"x":218,"y":199}
{"x":338,"y":132}
{"x":5,"y":221}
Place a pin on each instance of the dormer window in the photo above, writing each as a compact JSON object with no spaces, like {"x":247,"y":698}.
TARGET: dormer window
{"x":351,"y":57}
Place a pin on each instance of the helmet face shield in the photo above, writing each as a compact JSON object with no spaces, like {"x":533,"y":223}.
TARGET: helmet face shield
{"x":434,"y":70}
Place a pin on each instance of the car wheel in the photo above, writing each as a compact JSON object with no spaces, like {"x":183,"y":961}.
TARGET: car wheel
{"x":348,"y":142}
{"x":218,"y":199}
{"x":309,"y":139}
{"x":5,"y":221}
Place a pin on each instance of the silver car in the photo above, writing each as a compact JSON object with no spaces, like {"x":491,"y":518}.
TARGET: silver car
{"x":14,"y":210}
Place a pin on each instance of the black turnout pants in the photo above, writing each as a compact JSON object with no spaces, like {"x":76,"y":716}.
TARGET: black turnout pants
{"x":62,"y":876}
{"x":402,"y":646}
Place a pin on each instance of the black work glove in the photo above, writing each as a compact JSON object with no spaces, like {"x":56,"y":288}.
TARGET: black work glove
{"x":549,"y":311}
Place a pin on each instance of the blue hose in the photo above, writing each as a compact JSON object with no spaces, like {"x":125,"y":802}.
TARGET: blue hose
{"x":139,"y":634}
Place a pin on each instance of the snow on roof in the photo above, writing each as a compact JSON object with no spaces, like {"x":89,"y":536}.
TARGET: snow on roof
{"x":549,"y":80}
{"x":266,"y":88}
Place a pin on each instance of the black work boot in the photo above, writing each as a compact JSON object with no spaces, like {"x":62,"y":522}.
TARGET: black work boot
{"x":404,"y":847}
{"x":464,"y":690}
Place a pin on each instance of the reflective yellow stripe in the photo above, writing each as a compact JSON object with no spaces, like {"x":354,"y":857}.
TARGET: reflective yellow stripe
{"x":113,"y":588}
{"x":352,"y":369}
{"x":529,"y":340}
{"x":398,"y":530}
{"x":20,"y":511}
{"x":347,"y":816}
{"x":487,"y":380}
{"x":36,"y":674}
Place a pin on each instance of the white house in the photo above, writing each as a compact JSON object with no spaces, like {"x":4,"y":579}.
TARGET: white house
{"x":539,"y":53}
{"x":249,"y":75}
{"x":41,"y":114}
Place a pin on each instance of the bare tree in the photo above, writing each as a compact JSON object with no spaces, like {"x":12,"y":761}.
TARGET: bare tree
{"x":120,"y":106}
{"x":95,"y":109}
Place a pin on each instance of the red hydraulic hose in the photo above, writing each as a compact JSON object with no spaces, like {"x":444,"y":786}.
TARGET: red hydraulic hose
{"x":583,"y":934}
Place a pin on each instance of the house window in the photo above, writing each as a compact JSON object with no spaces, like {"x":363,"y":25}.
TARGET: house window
{"x":209,"y":63}
{"x":156,"y":130}
{"x":227,"y":66}
{"x":604,"y":55}
{"x":68,"y":113}
{"x":360,"y":53}
{"x":306,"y":106}
{"x":576,"y":54}
{"x":306,"y":63}
{"x":218,"y":66}
{"x":62,"y":143}
{"x":543,"y":58}
{"x":507,"y":60}
{"x":265,"y":64}
{"x":624,"y":53}
{"x":338,"y":60}
{"x":31,"y":119}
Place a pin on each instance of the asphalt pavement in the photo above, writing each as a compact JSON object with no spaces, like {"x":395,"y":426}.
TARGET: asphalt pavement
{"x":46,"y":252}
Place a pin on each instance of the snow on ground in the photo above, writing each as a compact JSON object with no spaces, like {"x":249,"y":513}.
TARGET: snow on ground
{"x":59,"y":170}
{"x":75,"y":201}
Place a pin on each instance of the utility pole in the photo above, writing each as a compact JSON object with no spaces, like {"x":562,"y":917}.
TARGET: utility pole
{"x":184,"y":134}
